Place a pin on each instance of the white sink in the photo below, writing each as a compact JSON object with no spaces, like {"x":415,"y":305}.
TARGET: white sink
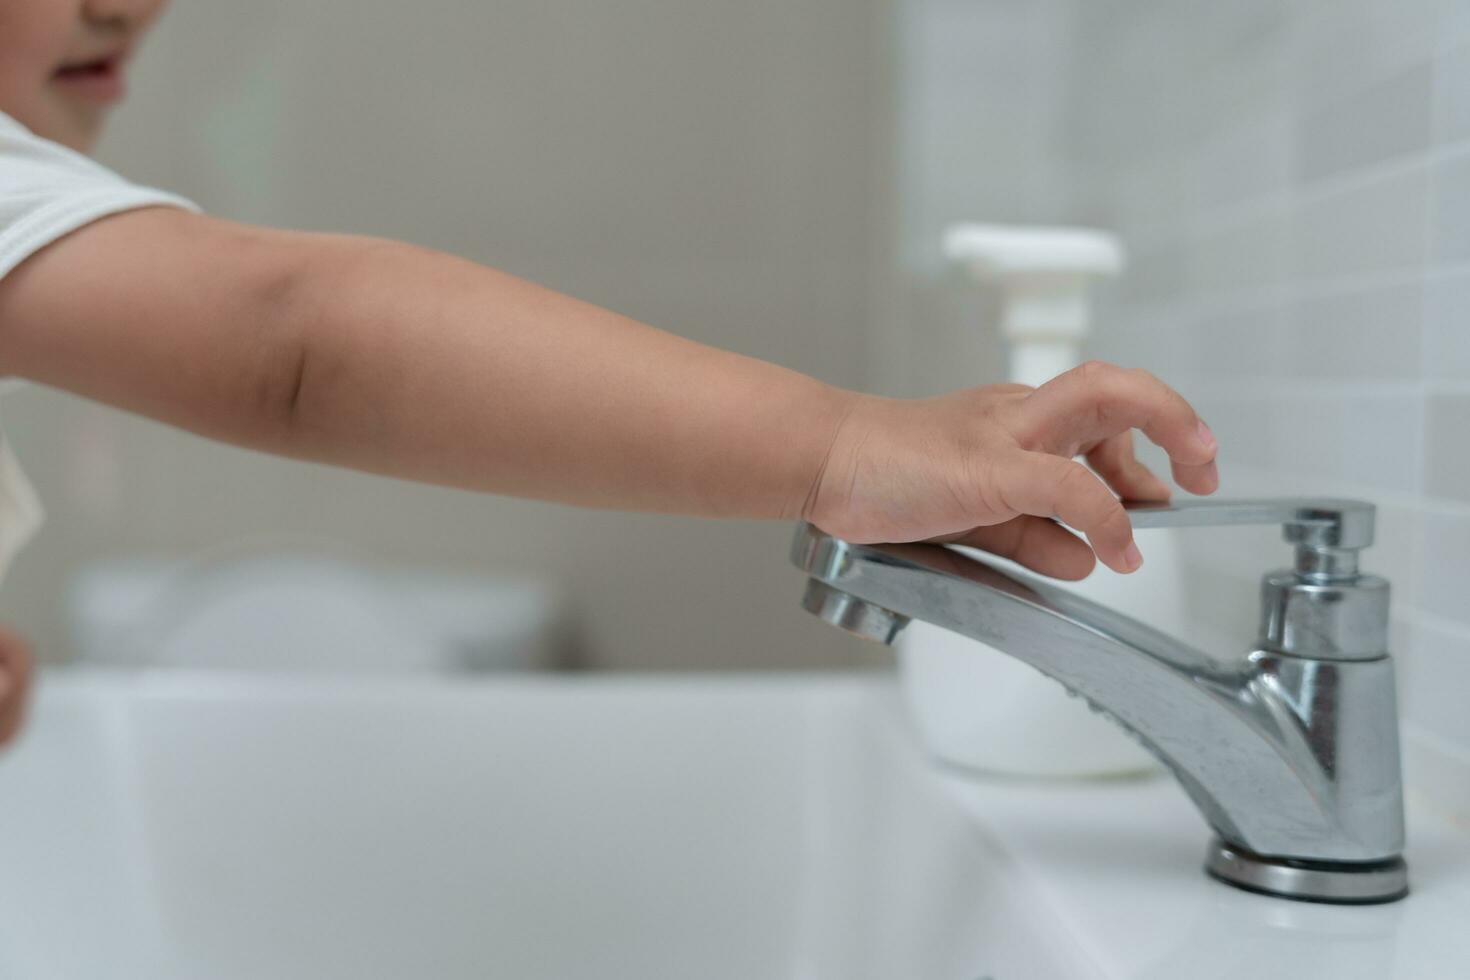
{"x":191,"y":826}
{"x":187,"y":826}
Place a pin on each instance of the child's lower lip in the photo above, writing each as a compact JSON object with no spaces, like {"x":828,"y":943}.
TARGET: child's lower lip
{"x":102,"y":82}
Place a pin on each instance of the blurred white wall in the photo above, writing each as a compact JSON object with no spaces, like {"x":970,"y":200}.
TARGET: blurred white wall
{"x":706,"y":167}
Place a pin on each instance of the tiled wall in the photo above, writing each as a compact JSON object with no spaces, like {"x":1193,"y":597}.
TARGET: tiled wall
{"x":1293,"y":179}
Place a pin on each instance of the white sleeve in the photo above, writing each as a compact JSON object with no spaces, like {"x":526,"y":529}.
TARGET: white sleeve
{"x":47,"y":191}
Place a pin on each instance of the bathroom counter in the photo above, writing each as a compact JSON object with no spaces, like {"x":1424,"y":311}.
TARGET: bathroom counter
{"x":1118,"y":863}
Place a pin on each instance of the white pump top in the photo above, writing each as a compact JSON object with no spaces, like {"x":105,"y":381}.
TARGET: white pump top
{"x":1043,"y":274}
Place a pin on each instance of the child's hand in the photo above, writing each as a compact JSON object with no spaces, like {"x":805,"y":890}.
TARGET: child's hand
{"x":15,"y":681}
{"x":990,"y":467}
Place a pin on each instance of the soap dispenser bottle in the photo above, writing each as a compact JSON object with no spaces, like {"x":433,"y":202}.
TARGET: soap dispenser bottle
{"x":973,"y":706}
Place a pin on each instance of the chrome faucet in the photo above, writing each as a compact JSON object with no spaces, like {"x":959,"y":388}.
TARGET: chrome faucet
{"x":1290,"y":752}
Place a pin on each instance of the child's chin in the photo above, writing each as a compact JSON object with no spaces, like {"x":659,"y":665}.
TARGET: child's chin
{"x":76,"y":126}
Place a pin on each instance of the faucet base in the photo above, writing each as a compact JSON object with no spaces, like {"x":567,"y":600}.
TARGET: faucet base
{"x":1331,"y":882}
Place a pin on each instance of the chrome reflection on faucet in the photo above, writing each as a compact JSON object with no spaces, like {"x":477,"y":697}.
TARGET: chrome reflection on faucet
{"x":1290,"y":753}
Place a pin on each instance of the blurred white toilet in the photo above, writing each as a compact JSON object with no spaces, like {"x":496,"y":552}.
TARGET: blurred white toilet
{"x":315,"y":614}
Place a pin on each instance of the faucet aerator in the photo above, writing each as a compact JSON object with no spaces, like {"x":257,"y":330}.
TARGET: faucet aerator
{"x":848,"y":612}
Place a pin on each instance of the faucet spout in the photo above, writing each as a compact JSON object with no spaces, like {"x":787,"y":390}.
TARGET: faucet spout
{"x":1293,"y":761}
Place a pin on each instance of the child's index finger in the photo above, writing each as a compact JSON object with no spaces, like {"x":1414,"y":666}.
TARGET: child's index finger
{"x":1096,"y":401}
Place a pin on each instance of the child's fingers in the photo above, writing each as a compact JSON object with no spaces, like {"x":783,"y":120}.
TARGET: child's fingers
{"x":1051,"y":486}
{"x":1204,"y":478}
{"x":15,"y":676}
{"x":1095,"y":401}
{"x":1113,"y":459}
{"x":1040,"y":544}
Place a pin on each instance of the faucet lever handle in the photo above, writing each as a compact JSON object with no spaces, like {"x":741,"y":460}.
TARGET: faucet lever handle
{"x":1314,"y":521}
{"x":1328,"y":533}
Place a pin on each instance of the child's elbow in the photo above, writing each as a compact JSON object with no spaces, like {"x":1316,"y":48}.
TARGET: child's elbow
{"x":316,"y":318}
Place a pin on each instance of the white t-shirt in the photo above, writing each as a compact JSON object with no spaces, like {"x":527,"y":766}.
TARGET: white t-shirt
{"x":47,"y":191}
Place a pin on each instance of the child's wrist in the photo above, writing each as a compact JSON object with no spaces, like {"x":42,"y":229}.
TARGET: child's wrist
{"x":832,"y":408}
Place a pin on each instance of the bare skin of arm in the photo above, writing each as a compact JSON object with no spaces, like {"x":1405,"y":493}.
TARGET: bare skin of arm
{"x":397,"y":360}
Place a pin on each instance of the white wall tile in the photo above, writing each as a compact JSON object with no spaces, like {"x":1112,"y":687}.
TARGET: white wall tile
{"x":1157,"y":272}
{"x":1452,"y":95}
{"x":1445,"y":565}
{"x":1365,"y":440}
{"x":1250,"y":254}
{"x":1385,"y":120}
{"x":1252,"y":158}
{"x":1240,"y":342}
{"x":1333,"y":48}
{"x":1368,"y":333}
{"x":1403,"y":32}
{"x":1397,"y":543}
{"x":1447,"y":461}
{"x":1341,"y":44}
{"x":1451,"y":215}
{"x":1366,"y":228}
{"x":1433,"y":692}
{"x":1447,"y":326}
{"x":1381,"y":439}
{"x":1455,"y":22}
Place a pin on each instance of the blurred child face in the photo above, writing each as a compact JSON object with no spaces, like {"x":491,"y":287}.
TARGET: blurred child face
{"x":62,"y":62}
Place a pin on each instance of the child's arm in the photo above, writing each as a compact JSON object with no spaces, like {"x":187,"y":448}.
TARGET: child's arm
{"x":402,"y":361}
